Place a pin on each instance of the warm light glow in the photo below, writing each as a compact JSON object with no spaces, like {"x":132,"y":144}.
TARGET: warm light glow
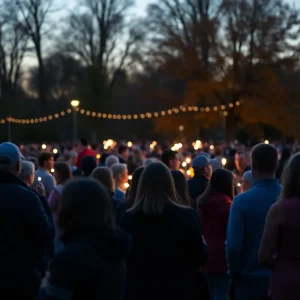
{"x":212,"y":147}
{"x":267,"y":142}
{"x":188,"y":160}
{"x":129,"y":144}
{"x":108,"y":143}
{"x":98,"y":156}
{"x":130,"y":177}
{"x":224,"y":161}
{"x":188,"y":172}
{"x":184,"y":164}
{"x":39,"y":178}
{"x":52,"y":171}
{"x":126,"y":185}
{"x":239,"y":185}
{"x":181,"y":128}
{"x":55,"y":151}
{"x":44,"y":146}
{"x":75,"y":103}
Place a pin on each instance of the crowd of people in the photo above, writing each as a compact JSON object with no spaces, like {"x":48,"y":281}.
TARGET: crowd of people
{"x":129,"y":223}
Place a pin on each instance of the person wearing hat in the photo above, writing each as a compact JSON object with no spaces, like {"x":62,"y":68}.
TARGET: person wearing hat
{"x":25,"y":229}
{"x":203,"y":171}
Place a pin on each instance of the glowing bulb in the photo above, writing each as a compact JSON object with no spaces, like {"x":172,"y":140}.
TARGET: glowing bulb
{"x":267,"y":142}
{"x":239,"y":185}
{"x":188,"y":172}
{"x":129,"y":144}
{"x":39,"y":178}
{"x":55,"y":151}
{"x":98,"y":156}
{"x":52,"y":170}
{"x":44,"y":146}
{"x":212,"y":147}
{"x":130,"y":177}
{"x":224,"y":161}
{"x":181,"y":128}
{"x":188,"y":160}
{"x":126,"y":185}
{"x":184,"y":164}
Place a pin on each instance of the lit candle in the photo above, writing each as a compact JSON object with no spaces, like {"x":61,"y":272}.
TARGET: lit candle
{"x":39,"y":179}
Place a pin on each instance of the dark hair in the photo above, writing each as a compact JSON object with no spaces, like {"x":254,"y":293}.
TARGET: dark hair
{"x":168,"y":155}
{"x":218,"y":151}
{"x":88,"y":164}
{"x":84,"y":142}
{"x":132,"y":191}
{"x":64,"y":171}
{"x":264,"y":158}
{"x":104,"y":175}
{"x":122,"y":149}
{"x":43,"y":157}
{"x":221,"y":182}
{"x":84,"y":205}
{"x":181,"y":187}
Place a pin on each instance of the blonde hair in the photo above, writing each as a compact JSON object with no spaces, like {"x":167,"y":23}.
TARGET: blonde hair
{"x":155,"y":189}
{"x":104,"y":175}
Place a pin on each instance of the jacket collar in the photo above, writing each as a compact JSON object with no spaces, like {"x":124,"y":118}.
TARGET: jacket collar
{"x":6,"y":177}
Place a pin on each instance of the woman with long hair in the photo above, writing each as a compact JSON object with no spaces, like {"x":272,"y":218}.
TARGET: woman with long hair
{"x":214,"y":208}
{"x":93,"y":261}
{"x":168,"y":247}
{"x":181,"y":187}
{"x":120,"y":175}
{"x":282,"y":231}
{"x":121,"y":209}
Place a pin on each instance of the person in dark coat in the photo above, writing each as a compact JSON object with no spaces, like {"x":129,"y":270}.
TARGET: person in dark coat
{"x":285,"y":156}
{"x":25,"y":230}
{"x":104,"y":175}
{"x":92,"y":264}
{"x":203,"y":171}
{"x":87,"y":165}
{"x":168,"y":246}
{"x":125,"y":205}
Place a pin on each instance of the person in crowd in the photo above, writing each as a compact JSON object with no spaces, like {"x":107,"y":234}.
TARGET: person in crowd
{"x":285,"y":155}
{"x":281,"y":233}
{"x":27,"y":175}
{"x":46,"y":163}
{"x":111,"y":160}
{"x":62,"y":174}
{"x":93,"y":261}
{"x":135,"y":160}
{"x":241,"y":161}
{"x":85,"y":151}
{"x":203,"y":171}
{"x":171,"y":159}
{"x":215,"y":165}
{"x":168,"y":246}
{"x":25,"y":230}
{"x":181,"y":188}
{"x":120,"y":175}
{"x":246,"y":224}
{"x":104,"y":175}
{"x":88,"y":165}
{"x":123,"y":154}
{"x":71,"y":159}
{"x":218,"y":158}
{"x":214,"y":207}
{"x":149,"y":160}
{"x":247,"y":182}
{"x":125,"y":205}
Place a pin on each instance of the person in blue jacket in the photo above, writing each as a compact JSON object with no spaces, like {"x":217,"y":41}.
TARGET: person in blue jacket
{"x":246,"y":224}
{"x":25,"y":229}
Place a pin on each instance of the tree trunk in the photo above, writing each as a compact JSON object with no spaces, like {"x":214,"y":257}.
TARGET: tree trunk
{"x":42,"y":89}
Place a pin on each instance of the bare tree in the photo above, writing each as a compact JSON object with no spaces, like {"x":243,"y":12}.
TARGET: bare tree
{"x":32,"y":19}
{"x":99,"y":35}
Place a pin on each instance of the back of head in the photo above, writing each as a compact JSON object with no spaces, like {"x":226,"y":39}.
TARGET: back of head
{"x":181,"y":187}
{"x":221,"y":183}
{"x":27,"y":168}
{"x":134,"y":185}
{"x":122,"y":149}
{"x":104,"y":176}
{"x":88,"y":164}
{"x":291,"y":178}
{"x":44,"y":157}
{"x":10,"y":158}
{"x":84,"y":206}
{"x":264,"y":161}
{"x":168,"y":155}
{"x":156,"y":187}
{"x":64,"y":171}
{"x":84,"y":142}
{"x":111,"y":160}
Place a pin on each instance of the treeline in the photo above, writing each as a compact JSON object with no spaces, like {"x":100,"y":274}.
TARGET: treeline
{"x":192,"y":52}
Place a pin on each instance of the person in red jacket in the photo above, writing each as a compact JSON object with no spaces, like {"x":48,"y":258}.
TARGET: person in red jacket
{"x":214,"y":207}
{"x":86,"y":151}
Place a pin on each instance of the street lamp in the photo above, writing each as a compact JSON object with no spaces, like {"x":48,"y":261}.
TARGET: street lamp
{"x":75,"y":104}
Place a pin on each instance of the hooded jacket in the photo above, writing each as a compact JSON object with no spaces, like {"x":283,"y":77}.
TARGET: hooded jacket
{"x":214,"y":218}
{"x":92,"y":265}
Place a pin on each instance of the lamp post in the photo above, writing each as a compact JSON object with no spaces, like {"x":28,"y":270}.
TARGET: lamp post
{"x":75,"y":104}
